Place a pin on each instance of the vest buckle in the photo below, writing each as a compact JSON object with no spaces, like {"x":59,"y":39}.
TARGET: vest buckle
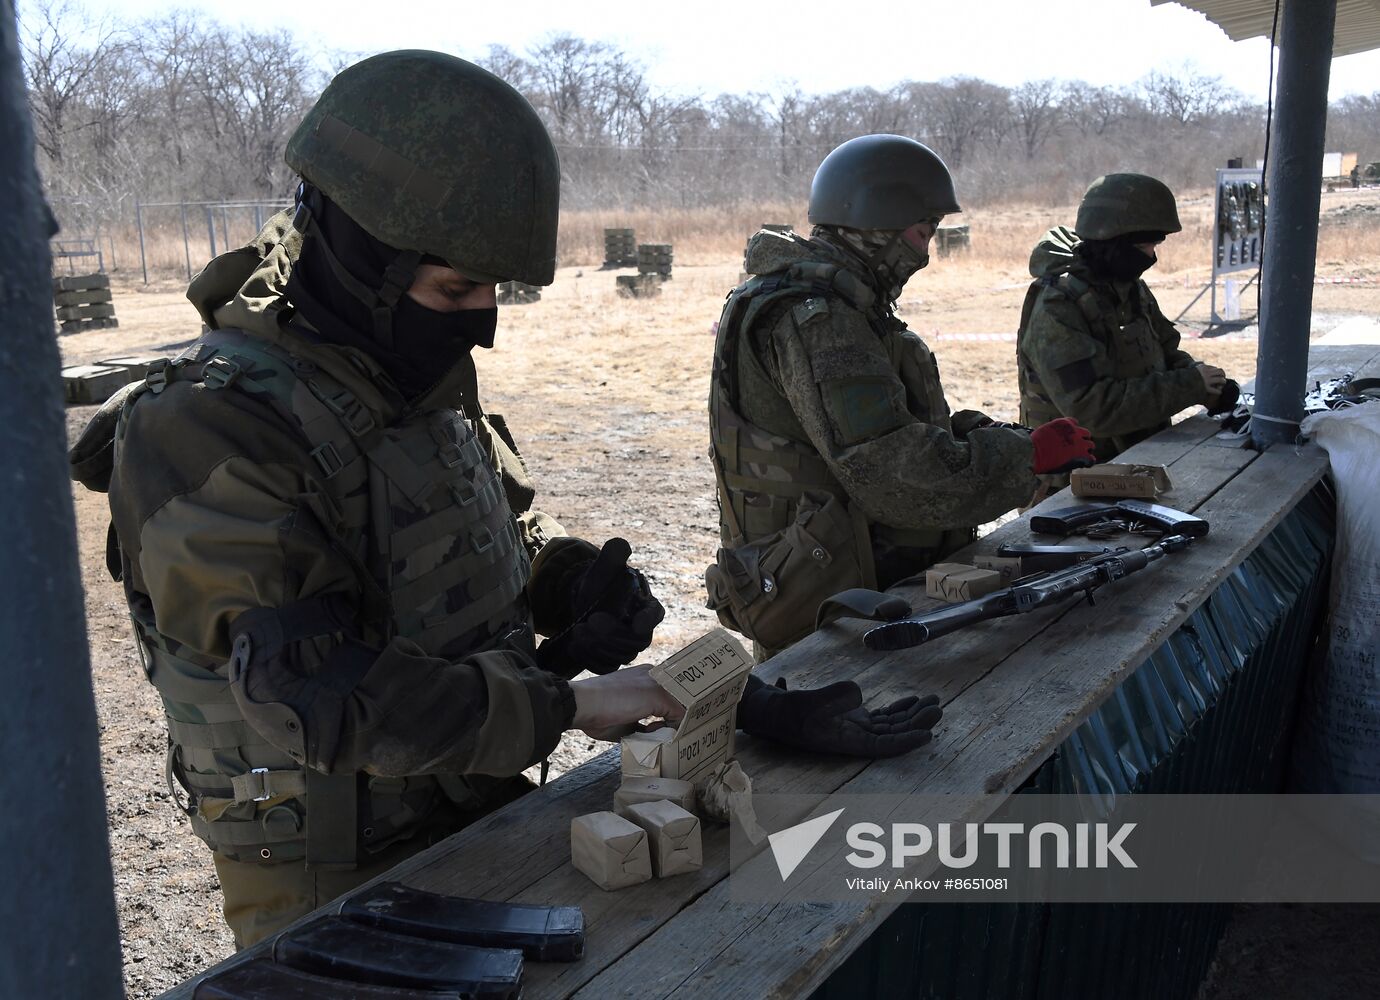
{"x":450,"y":454}
{"x":327,"y":457}
{"x":157,"y":377}
{"x":259,"y":784}
{"x":220,"y":372}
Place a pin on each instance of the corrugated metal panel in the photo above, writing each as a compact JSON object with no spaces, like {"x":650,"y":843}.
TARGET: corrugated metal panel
{"x":1358,"y":21}
{"x":1210,"y":711}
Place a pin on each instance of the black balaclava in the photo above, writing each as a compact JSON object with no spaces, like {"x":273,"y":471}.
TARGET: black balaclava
{"x":415,"y":345}
{"x":1118,"y":259}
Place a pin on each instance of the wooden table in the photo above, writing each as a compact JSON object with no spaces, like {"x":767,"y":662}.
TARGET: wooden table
{"x":1013,"y":690}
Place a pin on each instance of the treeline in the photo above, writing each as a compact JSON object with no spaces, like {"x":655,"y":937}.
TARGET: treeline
{"x":180,"y":108}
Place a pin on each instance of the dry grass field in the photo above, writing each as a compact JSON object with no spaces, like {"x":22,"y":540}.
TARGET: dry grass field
{"x":606,"y":397}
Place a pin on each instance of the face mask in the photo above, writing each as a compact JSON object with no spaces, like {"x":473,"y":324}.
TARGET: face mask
{"x":897,"y":261}
{"x":1117,"y":259}
{"x":892,"y":257}
{"x":427,"y":343}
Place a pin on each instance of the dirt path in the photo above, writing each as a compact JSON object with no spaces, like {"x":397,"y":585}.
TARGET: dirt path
{"x":606,"y":398}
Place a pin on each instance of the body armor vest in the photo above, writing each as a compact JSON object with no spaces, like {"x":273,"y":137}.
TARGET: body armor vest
{"x":773,"y":484}
{"x":419,"y":512}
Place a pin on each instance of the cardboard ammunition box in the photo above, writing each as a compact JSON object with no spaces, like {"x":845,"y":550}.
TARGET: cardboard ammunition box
{"x":1112,"y":480}
{"x":707,"y":677}
{"x":641,"y":752}
{"x":609,"y":849}
{"x":1008,"y":567}
{"x":959,"y":582}
{"x":672,"y":834}
{"x":90,"y":384}
{"x":635,"y":790}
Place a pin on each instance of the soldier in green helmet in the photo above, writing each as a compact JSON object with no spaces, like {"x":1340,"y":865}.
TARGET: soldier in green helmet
{"x":838,"y":462}
{"x":1093,"y":344}
{"x":328,"y":547}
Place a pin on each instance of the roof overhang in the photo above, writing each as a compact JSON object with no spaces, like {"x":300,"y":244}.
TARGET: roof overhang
{"x":1358,"y":21}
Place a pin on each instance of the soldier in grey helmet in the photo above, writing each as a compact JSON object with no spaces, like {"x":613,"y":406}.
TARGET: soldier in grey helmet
{"x":838,"y":461}
{"x":1093,"y":344}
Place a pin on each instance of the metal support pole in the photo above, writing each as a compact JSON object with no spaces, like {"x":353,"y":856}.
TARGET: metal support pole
{"x":58,"y":934}
{"x":186,"y":242}
{"x":211,"y":231}
{"x":139,"y":222}
{"x":1291,"y":231}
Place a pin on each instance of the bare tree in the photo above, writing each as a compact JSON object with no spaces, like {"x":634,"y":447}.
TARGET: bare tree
{"x":1188,"y":97}
{"x":962,"y":114}
{"x":1036,"y":113}
{"x":1093,"y":111}
{"x":59,"y":70}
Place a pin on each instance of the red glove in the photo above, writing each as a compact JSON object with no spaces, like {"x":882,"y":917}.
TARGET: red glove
{"x":1061,"y":445}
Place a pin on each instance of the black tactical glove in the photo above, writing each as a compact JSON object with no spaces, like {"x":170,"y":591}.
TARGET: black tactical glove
{"x":601,"y":611}
{"x":831,"y":719}
{"x":1226,"y":399}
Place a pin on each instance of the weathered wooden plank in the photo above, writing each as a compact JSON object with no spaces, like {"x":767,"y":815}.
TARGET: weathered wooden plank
{"x":1327,"y":361}
{"x":997,"y":735}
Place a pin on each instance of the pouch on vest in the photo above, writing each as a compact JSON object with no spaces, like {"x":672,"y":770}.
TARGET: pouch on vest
{"x":769,"y":590}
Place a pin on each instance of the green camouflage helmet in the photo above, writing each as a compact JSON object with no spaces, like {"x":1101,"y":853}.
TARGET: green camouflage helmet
{"x":432,"y":154}
{"x":881,"y":182}
{"x":1118,"y":204}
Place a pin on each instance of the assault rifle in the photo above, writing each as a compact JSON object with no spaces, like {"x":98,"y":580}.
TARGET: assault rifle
{"x":1022,"y":596}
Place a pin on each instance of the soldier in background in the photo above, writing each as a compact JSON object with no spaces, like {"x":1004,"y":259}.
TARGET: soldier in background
{"x":1093,"y":344}
{"x":838,"y":462}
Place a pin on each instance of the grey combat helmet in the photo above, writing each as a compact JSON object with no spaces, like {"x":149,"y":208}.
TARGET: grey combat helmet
{"x":1119,"y":204}
{"x":432,"y":154}
{"x":881,"y":182}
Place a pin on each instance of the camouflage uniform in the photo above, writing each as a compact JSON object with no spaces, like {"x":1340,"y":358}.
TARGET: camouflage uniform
{"x":327,"y":577}
{"x":829,"y":423}
{"x":241,"y":517}
{"x":1099,"y":351}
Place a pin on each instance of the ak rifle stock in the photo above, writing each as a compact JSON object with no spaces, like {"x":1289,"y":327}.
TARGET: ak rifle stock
{"x":1022,"y":596}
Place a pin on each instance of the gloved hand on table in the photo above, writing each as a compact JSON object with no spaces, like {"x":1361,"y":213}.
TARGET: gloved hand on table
{"x":832,"y":719}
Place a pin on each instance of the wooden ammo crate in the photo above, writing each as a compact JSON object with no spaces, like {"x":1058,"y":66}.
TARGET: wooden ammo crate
{"x":948,"y":239}
{"x":83,"y":302}
{"x":620,"y":248}
{"x":136,"y":364}
{"x":639,"y":286}
{"x":654,"y":258}
{"x":92,"y":384}
{"x":517,"y":293}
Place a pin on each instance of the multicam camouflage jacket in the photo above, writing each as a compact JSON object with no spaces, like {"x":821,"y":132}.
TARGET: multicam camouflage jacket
{"x":1099,"y":351}
{"x":328,"y":585}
